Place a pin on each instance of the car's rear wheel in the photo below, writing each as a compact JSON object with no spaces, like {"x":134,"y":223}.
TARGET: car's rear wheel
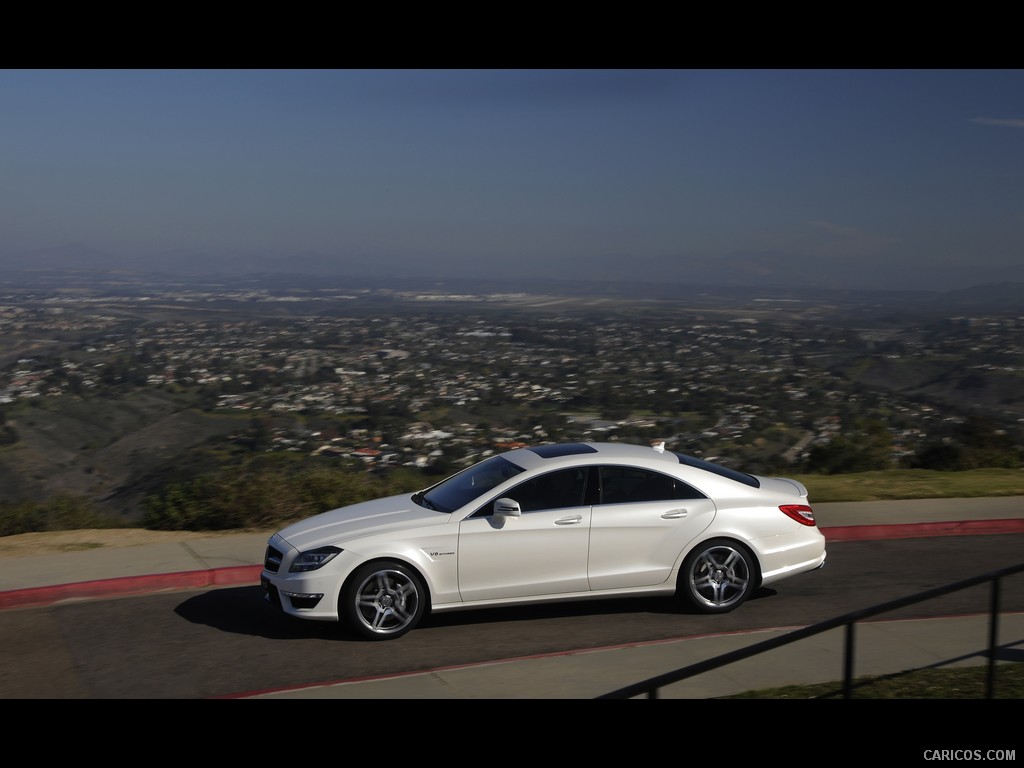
{"x":718,"y":576}
{"x":383,"y":600}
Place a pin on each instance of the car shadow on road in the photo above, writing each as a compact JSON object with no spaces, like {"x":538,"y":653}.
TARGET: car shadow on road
{"x":245,"y":611}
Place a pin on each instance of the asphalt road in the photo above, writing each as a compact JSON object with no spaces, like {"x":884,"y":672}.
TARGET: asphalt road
{"x":229,"y":641}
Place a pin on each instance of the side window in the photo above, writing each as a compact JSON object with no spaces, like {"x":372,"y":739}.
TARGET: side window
{"x":554,"y":490}
{"x":620,"y":485}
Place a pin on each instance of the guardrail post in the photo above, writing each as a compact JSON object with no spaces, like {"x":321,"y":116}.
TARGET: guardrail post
{"x":993,"y":641}
{"x":848,"y":662}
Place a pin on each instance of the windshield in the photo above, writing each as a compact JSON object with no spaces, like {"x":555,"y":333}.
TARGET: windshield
{"x":458,"y":490}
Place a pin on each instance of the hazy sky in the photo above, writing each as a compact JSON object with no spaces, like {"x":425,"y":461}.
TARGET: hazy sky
{"x":925,"y":166}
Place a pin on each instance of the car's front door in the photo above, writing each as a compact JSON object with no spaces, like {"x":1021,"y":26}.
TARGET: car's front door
{"x":541,"y":552}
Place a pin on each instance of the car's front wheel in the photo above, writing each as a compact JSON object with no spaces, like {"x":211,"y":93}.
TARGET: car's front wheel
{"x":383,"y":600}
{"x":718,"y":576}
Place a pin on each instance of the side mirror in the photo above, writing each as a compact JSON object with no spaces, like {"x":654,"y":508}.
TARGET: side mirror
{"x":507,"y":508}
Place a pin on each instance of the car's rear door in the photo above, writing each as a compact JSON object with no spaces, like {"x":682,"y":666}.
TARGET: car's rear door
{"x":643,"y":523}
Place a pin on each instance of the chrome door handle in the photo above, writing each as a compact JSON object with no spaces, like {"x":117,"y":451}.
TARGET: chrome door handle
{"x":675,"y":514}
{"x":569,"y":520}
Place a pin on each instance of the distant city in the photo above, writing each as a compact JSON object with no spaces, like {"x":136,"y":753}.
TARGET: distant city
{"x":107,"y":380}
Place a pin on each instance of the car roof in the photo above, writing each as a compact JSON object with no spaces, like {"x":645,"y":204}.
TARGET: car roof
{"x":566,"y":454}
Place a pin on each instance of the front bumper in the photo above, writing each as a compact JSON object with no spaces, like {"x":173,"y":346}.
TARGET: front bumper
{"x":289,"y":601}
{"x":307,"y":595}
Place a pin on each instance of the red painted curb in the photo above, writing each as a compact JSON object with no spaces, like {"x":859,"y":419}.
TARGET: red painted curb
{"x":923,"y":530}
{"x":131,"y":585}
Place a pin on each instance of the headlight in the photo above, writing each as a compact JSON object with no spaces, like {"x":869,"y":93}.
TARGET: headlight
{"x":315,"y":558}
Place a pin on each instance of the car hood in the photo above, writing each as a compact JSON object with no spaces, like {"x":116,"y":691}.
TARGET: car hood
{"x":358,"y":520}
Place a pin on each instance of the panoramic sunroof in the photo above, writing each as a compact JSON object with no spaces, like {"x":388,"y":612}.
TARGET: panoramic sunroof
{"x":567,"y":449}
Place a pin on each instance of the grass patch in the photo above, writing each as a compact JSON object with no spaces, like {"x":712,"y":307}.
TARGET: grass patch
{"x":78,"y":547}
{"x":958,"y":683}
{"x":913,"y":484}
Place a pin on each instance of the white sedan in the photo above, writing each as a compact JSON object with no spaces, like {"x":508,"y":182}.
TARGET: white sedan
{"x":568,"y":521}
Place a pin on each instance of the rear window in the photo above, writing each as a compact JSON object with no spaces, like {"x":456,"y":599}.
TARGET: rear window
{"x":718,"y":469}
{"x":620,"y":485}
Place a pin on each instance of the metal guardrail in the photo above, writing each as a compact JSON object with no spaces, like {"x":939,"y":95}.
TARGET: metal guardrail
{"x":651,"y":686}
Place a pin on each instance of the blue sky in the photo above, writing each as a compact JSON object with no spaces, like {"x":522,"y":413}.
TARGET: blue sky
{"x":913,"y":169}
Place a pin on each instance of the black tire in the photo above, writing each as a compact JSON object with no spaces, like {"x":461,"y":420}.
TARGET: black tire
{"x":383,"y":600}
{"x":718,"y":576}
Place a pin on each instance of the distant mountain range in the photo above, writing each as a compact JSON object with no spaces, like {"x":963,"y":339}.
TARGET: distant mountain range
{"x":762,"y":269}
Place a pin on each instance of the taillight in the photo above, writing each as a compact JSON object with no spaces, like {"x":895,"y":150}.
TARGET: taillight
{"x":799,"y":512}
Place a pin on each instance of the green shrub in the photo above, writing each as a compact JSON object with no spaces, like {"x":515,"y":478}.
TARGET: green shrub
{"x":257,"y":497}
{"x":64,"y":512}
